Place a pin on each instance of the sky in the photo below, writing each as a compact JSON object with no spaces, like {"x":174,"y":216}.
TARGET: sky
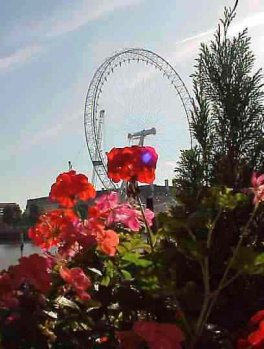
{"x":49,"y":52}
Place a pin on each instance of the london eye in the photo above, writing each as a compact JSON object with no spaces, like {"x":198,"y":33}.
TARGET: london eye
{"x":94,"y":114}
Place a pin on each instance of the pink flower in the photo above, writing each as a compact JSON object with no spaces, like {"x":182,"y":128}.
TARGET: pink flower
{"x":257,"y":188}
{"x":107,"y":202}
{"x":129,"y":217}
{"x":126,"y":215}
{"x":149,"y":216}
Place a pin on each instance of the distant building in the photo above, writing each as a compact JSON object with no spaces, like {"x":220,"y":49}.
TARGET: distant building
{"x":5,"y":204}
{"x":162,"y":196}
{"x":43,"y":204}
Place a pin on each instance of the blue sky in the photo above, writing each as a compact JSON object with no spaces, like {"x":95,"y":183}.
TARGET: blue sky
{"x":49,"y":51}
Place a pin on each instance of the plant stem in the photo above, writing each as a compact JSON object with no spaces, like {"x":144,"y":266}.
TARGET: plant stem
{"x":149,"y":232}
{"x":206,"y":279}
{"x":223,"y":282}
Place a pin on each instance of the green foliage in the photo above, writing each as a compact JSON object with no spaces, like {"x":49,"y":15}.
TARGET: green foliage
{"x":224,"y":198}
{"x":12,"y":214}
{"x":249,"y":261}
{"x":134,"y":258}
{"x":190,"y":170}
{"x":212,"y":225}
{"x":227,"y":118}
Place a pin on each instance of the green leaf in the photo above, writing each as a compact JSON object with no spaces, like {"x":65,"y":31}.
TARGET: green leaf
{"x":126,"y":274}
{"x":224,"y":198}
{"x":134,"y":258}
{"x":105,"y":280}
{"x":108,"y":273}
{"x":135,"y":243}
{"x":259,"y":259}
{"x":249,"y":261}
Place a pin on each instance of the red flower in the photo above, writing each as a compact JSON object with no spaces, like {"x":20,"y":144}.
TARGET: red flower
{"x":78,"y":280}
{"x":256,"y":318}
{"x":257,"y":188}
{"x":7,"y":291}
{"x":255,"y":339}
{"x":129,"y":340}
{"x":108,"y":241}
{"x":70,"y":187}
{"x":52,"y":228}
{"x":132,"y":164}
{"x":243,"y":344}
{"x":102,"y":340}
{"x":35,"y":270}
{"x":159,"y":336}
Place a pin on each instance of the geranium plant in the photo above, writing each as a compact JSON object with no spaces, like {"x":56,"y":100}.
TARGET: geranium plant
{"x":107,"y":281}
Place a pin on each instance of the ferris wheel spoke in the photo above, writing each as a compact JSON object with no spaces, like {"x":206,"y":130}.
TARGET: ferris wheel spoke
{"x":94,"y":124}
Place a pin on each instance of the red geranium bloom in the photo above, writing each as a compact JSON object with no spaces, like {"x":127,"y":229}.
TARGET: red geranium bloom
{"x":7,"y":291}
{"x":129,"y":339}
{"x":78,"y":280}
{"x":35,"y":270}
{"x":243,"y":344}
{"x":71,"y":187}
{"x":257,"y":188}
{"x":108,"y":241}
{"x":256,"y":318}
{"x":132,"y":164}
{"x":52,"y":228}
{"x":255,"y":339}
{"x":159,"y":336}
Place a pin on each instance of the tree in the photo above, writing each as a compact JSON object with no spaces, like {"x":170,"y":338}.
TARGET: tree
{"x":11,"y":214}
{"x":227,"y":124}
{"x":227,"y":119}
{"x":8,"y":215}
{"x":190,"y":170}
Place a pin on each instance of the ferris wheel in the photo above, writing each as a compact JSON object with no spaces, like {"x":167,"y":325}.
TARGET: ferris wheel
{"x":94,"y":116}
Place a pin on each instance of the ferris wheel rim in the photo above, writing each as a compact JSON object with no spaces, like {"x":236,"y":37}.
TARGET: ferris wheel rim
{"x":95,"y":90}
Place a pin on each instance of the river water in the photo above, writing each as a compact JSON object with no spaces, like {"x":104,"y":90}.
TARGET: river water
{"x":10,"y":253}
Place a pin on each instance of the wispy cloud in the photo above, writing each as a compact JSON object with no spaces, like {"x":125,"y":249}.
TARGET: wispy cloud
{"x":196,"y":37}
{"x":91,"y":10}
{"x":49,"y":133}
{"x":255,"y":20}
{"x":188,"y":47}
{"x":20,"y":56}
{"x":61,"y":23}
